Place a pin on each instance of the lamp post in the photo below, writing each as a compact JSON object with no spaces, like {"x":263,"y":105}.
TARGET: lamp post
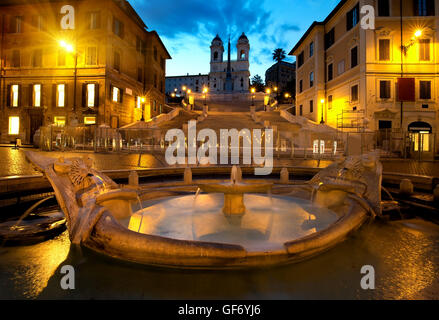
{"x":275,"y":90}
{"x":253,"y":90}
{"x":205,"y":90}
{"x":323,"y":103}
{"x":268,"y":92}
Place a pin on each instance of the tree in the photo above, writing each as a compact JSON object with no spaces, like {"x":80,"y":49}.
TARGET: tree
{"x":257,"y":83}
{"x":279,"y":54}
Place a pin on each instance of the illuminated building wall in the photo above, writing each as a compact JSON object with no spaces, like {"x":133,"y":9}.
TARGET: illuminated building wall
{"x":113,"y":50}
{"x":357,"y":70}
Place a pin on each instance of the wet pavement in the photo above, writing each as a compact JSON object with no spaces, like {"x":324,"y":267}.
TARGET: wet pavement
{"x":13,"y":162}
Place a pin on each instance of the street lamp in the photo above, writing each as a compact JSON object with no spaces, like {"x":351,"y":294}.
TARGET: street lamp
{"x":322,"y":102}
{"x":253,"y":90}
{"x":416,"y":35}
{"x":277,"y":96}
{"x":205,"y":90}
{"x":268,"y":92}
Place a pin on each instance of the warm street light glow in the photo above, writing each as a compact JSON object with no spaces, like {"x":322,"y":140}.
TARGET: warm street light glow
{"x":275,"y":89}
{"x":205,"y":90}
{"x":268,"y":91}
{"x":143,"y":100}
{"x":189,"y":91}
{"x":322,"y":101}
{"x":253,"y":90}
{"x":184,"y":88}
{"x":418,"y":33}
{"x":287,"y":95}
{"x":66,"y":46}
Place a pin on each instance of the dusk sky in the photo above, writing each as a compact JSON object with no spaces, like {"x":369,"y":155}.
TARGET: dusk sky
{"x":188,"y":27}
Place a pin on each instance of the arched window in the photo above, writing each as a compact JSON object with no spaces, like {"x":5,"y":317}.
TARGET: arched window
{"x":242,"y":55}
{"x":242,"y":82}
{"x":215,"y":56}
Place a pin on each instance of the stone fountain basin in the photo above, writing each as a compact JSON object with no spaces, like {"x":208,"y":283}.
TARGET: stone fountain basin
{"x":236,"y":188}
{"x":113,"y":238}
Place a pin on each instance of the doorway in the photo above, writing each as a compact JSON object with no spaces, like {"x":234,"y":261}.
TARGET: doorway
{"x":36,"y":121}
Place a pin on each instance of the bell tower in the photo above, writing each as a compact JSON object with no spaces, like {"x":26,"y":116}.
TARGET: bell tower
{"x":216,"y":50}
{"x":243,"y":48}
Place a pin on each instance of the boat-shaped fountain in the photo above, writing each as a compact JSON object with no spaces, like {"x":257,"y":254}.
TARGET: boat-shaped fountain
{"x":214,"y":224}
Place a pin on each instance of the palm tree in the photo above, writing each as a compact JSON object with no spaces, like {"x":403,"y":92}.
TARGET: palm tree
{"x":279,"y":54}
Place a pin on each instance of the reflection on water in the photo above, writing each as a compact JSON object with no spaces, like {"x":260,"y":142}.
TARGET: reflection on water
{"x":405,"y":255}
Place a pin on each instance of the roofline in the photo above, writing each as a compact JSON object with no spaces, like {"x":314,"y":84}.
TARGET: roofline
{"x":317,"y":23}
{"x":161,"y":42}
{"x":189,"y":76}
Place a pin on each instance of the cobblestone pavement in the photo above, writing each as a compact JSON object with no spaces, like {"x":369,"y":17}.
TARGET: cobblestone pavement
{"x":14,"y":163}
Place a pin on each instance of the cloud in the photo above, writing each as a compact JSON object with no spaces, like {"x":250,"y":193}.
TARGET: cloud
{"x":172,"y":18}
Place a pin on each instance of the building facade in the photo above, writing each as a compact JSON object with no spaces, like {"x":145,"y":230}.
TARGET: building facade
{"x":238,"y":77}
{"x":195,"y":83}
{"x":360,"y":79}
{"x":282,"y":75}
{"x":105,"y":70}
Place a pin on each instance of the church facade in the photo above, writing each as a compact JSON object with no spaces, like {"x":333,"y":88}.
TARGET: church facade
{"x":226,"y":75}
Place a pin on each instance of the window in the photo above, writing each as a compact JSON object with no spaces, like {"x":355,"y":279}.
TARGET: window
{"x":16,"y":61}
{"x":384,"y":49}
{"x":14,"y":125}
{"x":118,"y":28}
{"x":311,"y":79}
{"x":94,"y":20}
{"x":354,"y":93}
{"x":300,"y":86}
{"x":301,"y":110}
{"x":16,"y":24}
{"x":215,"y":56}
{"x":330,"y":102}
{"x":311,"y":49}
{"x":91,"y":95}
{"x":423,"y":7}
{"x":36,"y":95}
{"x":330,"y":72}
{"x":154,"y":103}
{"x":116,"y":61}
{"x":424,"y":49}
{"x":37,"y":23}
{"x":37,"y":58}
{"x":61,"y":95}
{"x":329,"y":38}
{"x":311,"y":106}
{"x":89,"y":120}
{"x":340,"y":67}
{"x":352,"y":17}
{"x":60,"y":121}
{"x":14,"y":95}
{"x":300,"y":59}
{"x":354,"y":57}
{"x":91,"y":56}
{"x":425,"y":90}
{"x":385,"y":89}
{"x":116,"y":95}
{"x":383,"y":8}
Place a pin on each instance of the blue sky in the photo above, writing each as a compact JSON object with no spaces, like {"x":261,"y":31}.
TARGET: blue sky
{"x":188,"y":27}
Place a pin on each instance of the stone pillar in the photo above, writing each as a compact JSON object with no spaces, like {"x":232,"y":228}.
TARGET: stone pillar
{"x":406,"y":187}
{"x":133,"y":179}
{"x":284,"y":176}
{"x":187,"y":175}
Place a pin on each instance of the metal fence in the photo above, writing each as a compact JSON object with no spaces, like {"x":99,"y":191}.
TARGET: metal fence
{"x":419,"y":146}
